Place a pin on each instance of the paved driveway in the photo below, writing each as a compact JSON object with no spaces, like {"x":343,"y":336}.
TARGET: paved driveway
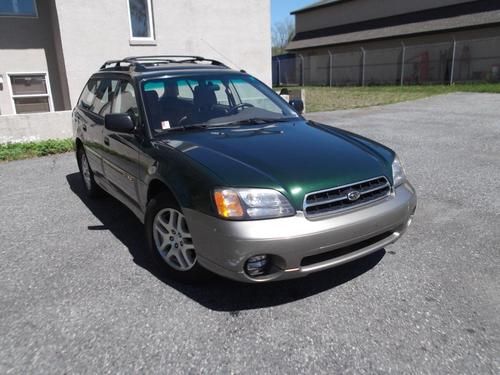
{"x":77,"y":296}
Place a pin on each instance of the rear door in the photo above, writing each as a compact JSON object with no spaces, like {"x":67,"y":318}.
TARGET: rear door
{"x":121,"y":150}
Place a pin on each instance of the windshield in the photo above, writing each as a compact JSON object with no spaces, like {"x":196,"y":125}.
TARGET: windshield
{"x":210,"y":100}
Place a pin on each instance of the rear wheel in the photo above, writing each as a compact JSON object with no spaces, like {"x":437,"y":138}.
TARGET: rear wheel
{"x":91,"y":188}
{"x":170,"y":242}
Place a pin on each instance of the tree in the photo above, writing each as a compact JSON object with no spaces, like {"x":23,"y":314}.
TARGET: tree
{"x":282,"y":34}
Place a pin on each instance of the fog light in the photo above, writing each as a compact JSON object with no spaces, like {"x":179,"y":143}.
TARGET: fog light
{"x":257,"y":265}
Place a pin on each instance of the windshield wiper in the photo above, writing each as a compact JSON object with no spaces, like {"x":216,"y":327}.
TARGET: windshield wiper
{"x":183,"y":127}
{"x":250,"y":121}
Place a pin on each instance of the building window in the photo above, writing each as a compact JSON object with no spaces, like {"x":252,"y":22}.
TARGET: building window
{"x":18,"y":8}
{"x":141,"y":20}
{"x":30,"y":92}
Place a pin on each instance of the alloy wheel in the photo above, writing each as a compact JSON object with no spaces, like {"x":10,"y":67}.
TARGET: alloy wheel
{"x":173,"y":239}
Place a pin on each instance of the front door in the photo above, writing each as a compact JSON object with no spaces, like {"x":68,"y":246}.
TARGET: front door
{"x":121,"y":153}
{"x":92,"y":106}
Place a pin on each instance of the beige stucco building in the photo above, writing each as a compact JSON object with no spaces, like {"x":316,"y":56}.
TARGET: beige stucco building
{"x":49,"y":48}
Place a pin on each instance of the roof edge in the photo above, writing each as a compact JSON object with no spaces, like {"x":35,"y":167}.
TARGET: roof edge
{"x":317,"y":5}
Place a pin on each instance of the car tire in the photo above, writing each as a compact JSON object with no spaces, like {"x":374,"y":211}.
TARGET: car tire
{"x":170,"y":243}
{"x":91,"y":188}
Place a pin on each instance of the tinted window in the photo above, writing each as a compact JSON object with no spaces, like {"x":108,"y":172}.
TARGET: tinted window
{"x":248,"y":93}
{"x":186,"y":89}
{"x":157,"y":86}
{"x":126,"y":102}
{"x":88,"y":95}
{"x":97,"y":96}
{"x":103,"y":96}
{"x":211,"y":99}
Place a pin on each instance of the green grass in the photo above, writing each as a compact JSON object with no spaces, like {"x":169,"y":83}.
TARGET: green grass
{"x":16,"y":151}
{"x":335,"y":98}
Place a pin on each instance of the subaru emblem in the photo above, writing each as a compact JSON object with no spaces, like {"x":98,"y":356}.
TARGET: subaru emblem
{"x":353,"y":195}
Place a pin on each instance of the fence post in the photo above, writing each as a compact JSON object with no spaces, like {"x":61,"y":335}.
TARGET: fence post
{"x":453,"y":60}
{"x":301,"y":69}
{"x":403,"y":58}
{"x":363,"y":69}
{"x":330,"y":77}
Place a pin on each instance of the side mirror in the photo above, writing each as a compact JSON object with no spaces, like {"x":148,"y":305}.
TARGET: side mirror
{"x":119,"y":122}
{"x":298,"y":105}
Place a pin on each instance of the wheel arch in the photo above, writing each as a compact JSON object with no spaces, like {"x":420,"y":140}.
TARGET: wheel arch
{"x":157,"y":186}
{"x":78,"y":143}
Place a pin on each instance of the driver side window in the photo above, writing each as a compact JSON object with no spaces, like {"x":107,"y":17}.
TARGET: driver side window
{"x":126,"y":102}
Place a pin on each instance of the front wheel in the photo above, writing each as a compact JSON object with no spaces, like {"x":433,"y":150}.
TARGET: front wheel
{"x":170,"y":242}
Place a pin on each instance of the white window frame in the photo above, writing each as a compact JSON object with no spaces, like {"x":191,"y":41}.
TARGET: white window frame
{"x":16,"y":15}
{"x":146,"y":40}
{"x":24,"y":74}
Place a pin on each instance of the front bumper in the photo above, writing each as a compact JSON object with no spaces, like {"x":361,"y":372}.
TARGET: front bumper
{"x":224,"y":246}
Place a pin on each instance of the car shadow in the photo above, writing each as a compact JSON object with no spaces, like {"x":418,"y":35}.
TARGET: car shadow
{"x":217,"y":294}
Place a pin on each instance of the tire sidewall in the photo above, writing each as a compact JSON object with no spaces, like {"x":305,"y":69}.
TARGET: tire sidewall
{"x":95,"y":190}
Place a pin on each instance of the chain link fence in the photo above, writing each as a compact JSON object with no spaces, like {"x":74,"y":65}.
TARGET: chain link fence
{"x":475,"y":60}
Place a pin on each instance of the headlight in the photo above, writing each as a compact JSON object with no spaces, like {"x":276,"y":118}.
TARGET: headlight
{"x":251,"y":204}
{"x":398,"y":172}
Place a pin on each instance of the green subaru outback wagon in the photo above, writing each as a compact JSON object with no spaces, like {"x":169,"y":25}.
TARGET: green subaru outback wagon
{"x":228,"y":177}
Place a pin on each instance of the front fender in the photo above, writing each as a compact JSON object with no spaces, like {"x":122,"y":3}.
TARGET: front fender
{"x":189,"y":182}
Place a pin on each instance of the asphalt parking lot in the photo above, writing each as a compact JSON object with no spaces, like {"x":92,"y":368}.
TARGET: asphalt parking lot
{"x":77,"y":296}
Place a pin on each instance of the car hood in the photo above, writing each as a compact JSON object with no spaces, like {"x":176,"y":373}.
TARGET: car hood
{"x":295,"y":157}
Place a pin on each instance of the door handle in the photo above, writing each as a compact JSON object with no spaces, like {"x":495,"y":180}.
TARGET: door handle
{"x":84,"y":127}
{"x":106,"y":141}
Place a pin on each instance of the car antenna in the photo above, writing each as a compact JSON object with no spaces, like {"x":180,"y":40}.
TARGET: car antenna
{"x":216,"y":51}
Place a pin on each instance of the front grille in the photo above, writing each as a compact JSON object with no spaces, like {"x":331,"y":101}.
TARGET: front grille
{"x":337,"y":253}
{"x":336,"y":199}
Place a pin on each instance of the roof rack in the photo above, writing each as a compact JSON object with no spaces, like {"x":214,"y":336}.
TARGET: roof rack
{"x":141,"y":63}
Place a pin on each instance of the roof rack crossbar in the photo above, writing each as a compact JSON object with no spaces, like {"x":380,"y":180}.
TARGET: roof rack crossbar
{"x":111,"y":62}
{"x":141,"y":62}
{"x":153,"y":57}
